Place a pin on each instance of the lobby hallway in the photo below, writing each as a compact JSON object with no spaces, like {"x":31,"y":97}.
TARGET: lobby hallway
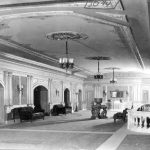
{"x":74,"y":131}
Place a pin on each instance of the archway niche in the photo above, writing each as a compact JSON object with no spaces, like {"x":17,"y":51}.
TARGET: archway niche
{"x":67,"y":97}
{"x":41,"y":98}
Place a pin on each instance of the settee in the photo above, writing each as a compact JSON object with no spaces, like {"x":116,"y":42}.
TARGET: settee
{"x":27,"y":113}
{"x":16,"y":113}
{"x":60,"y":109}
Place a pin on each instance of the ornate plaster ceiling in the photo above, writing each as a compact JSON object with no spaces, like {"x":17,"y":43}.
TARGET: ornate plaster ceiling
{"x":109,"y":34}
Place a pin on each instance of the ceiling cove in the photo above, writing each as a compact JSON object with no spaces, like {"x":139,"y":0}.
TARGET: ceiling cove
{"x":107,"y":19}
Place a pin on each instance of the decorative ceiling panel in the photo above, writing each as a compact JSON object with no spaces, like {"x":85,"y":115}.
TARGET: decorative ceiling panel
{"x":108,"y":35}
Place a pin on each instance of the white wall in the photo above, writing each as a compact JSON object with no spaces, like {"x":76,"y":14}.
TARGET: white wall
{"x":35,"y":76}
{"x":136,"y":91}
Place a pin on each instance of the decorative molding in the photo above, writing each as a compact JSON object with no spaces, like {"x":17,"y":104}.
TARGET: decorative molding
{"x":133,"y":46}
{"x":123,"y":24}
{"x":55,"y":13}
{"x":65,"y":35}
{"x":16,"y":69}
{"x":113,"y":15}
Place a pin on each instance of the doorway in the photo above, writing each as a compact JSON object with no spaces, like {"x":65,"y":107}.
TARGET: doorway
{"x":80,"y":100}
{"x":67,"y":97}
{"x":41,"y":98}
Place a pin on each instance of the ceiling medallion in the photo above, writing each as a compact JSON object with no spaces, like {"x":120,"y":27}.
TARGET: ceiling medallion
{"x":65,"y":35}
{"x":66,"y":62}
{"x":113,"y":80}
{"x":98,"y":58}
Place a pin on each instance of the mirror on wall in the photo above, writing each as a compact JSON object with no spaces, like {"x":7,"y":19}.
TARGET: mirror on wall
{"x":117,"y":94}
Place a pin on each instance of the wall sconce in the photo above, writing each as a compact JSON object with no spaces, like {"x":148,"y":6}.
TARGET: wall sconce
{"x":20,"y":89}
{"x":57,"y":92}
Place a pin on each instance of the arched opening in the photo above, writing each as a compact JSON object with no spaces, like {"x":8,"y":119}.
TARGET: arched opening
{"x":1,"y":103}
{"x":41,"y":98}
{"x":80,"y":100}
{"x":67,"y":97}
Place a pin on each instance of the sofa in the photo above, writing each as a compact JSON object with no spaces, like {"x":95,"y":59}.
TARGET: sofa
{"x":27,"y":113}
{"x":16,"y":113}
{"x":60,"y":109}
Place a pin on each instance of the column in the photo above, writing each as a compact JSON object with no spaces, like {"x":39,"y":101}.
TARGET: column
{"x":50,"y":91}
{"x":29,"y":90}
{"x":10,"y":88}
{"x":7,"y":89}
{"x":20,"y":91}
{"x":128,"y":97}
{"x":71,"y":94}
{"x":95,"y":91}
{"x":62,"y":83}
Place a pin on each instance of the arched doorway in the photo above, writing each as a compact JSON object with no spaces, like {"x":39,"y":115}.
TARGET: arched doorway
{"x":41,"y":98}
{"x":67,"y":97}
{"x":1,"y":103}
{"x":80,"y":100}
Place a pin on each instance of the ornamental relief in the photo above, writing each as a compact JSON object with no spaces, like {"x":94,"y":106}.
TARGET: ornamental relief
{"x":37,"y":82}
{"x":66,"y":85}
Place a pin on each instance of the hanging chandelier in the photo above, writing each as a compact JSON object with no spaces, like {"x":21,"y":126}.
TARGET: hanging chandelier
{"x":66,"y":62}
{"x":98,"y":75}
{"x":113,"y":80}
{"x":98,"y":58}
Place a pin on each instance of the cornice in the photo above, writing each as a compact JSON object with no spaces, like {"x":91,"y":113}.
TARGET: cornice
{"x":23,"y":66}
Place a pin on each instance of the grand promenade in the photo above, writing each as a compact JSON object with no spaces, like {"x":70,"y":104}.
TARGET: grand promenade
{"x":71,"y":132}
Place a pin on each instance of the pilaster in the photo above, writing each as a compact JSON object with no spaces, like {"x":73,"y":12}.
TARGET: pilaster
{"x":50,"y":91}
{"x":62,"y":84}
{"x":29,"y":89}
{"x":8,"y":88}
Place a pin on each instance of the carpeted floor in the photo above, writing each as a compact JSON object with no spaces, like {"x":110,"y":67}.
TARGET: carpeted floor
{"x":86,"y":124}
{"x":135,"y":142}
{"x":55,"y":141}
